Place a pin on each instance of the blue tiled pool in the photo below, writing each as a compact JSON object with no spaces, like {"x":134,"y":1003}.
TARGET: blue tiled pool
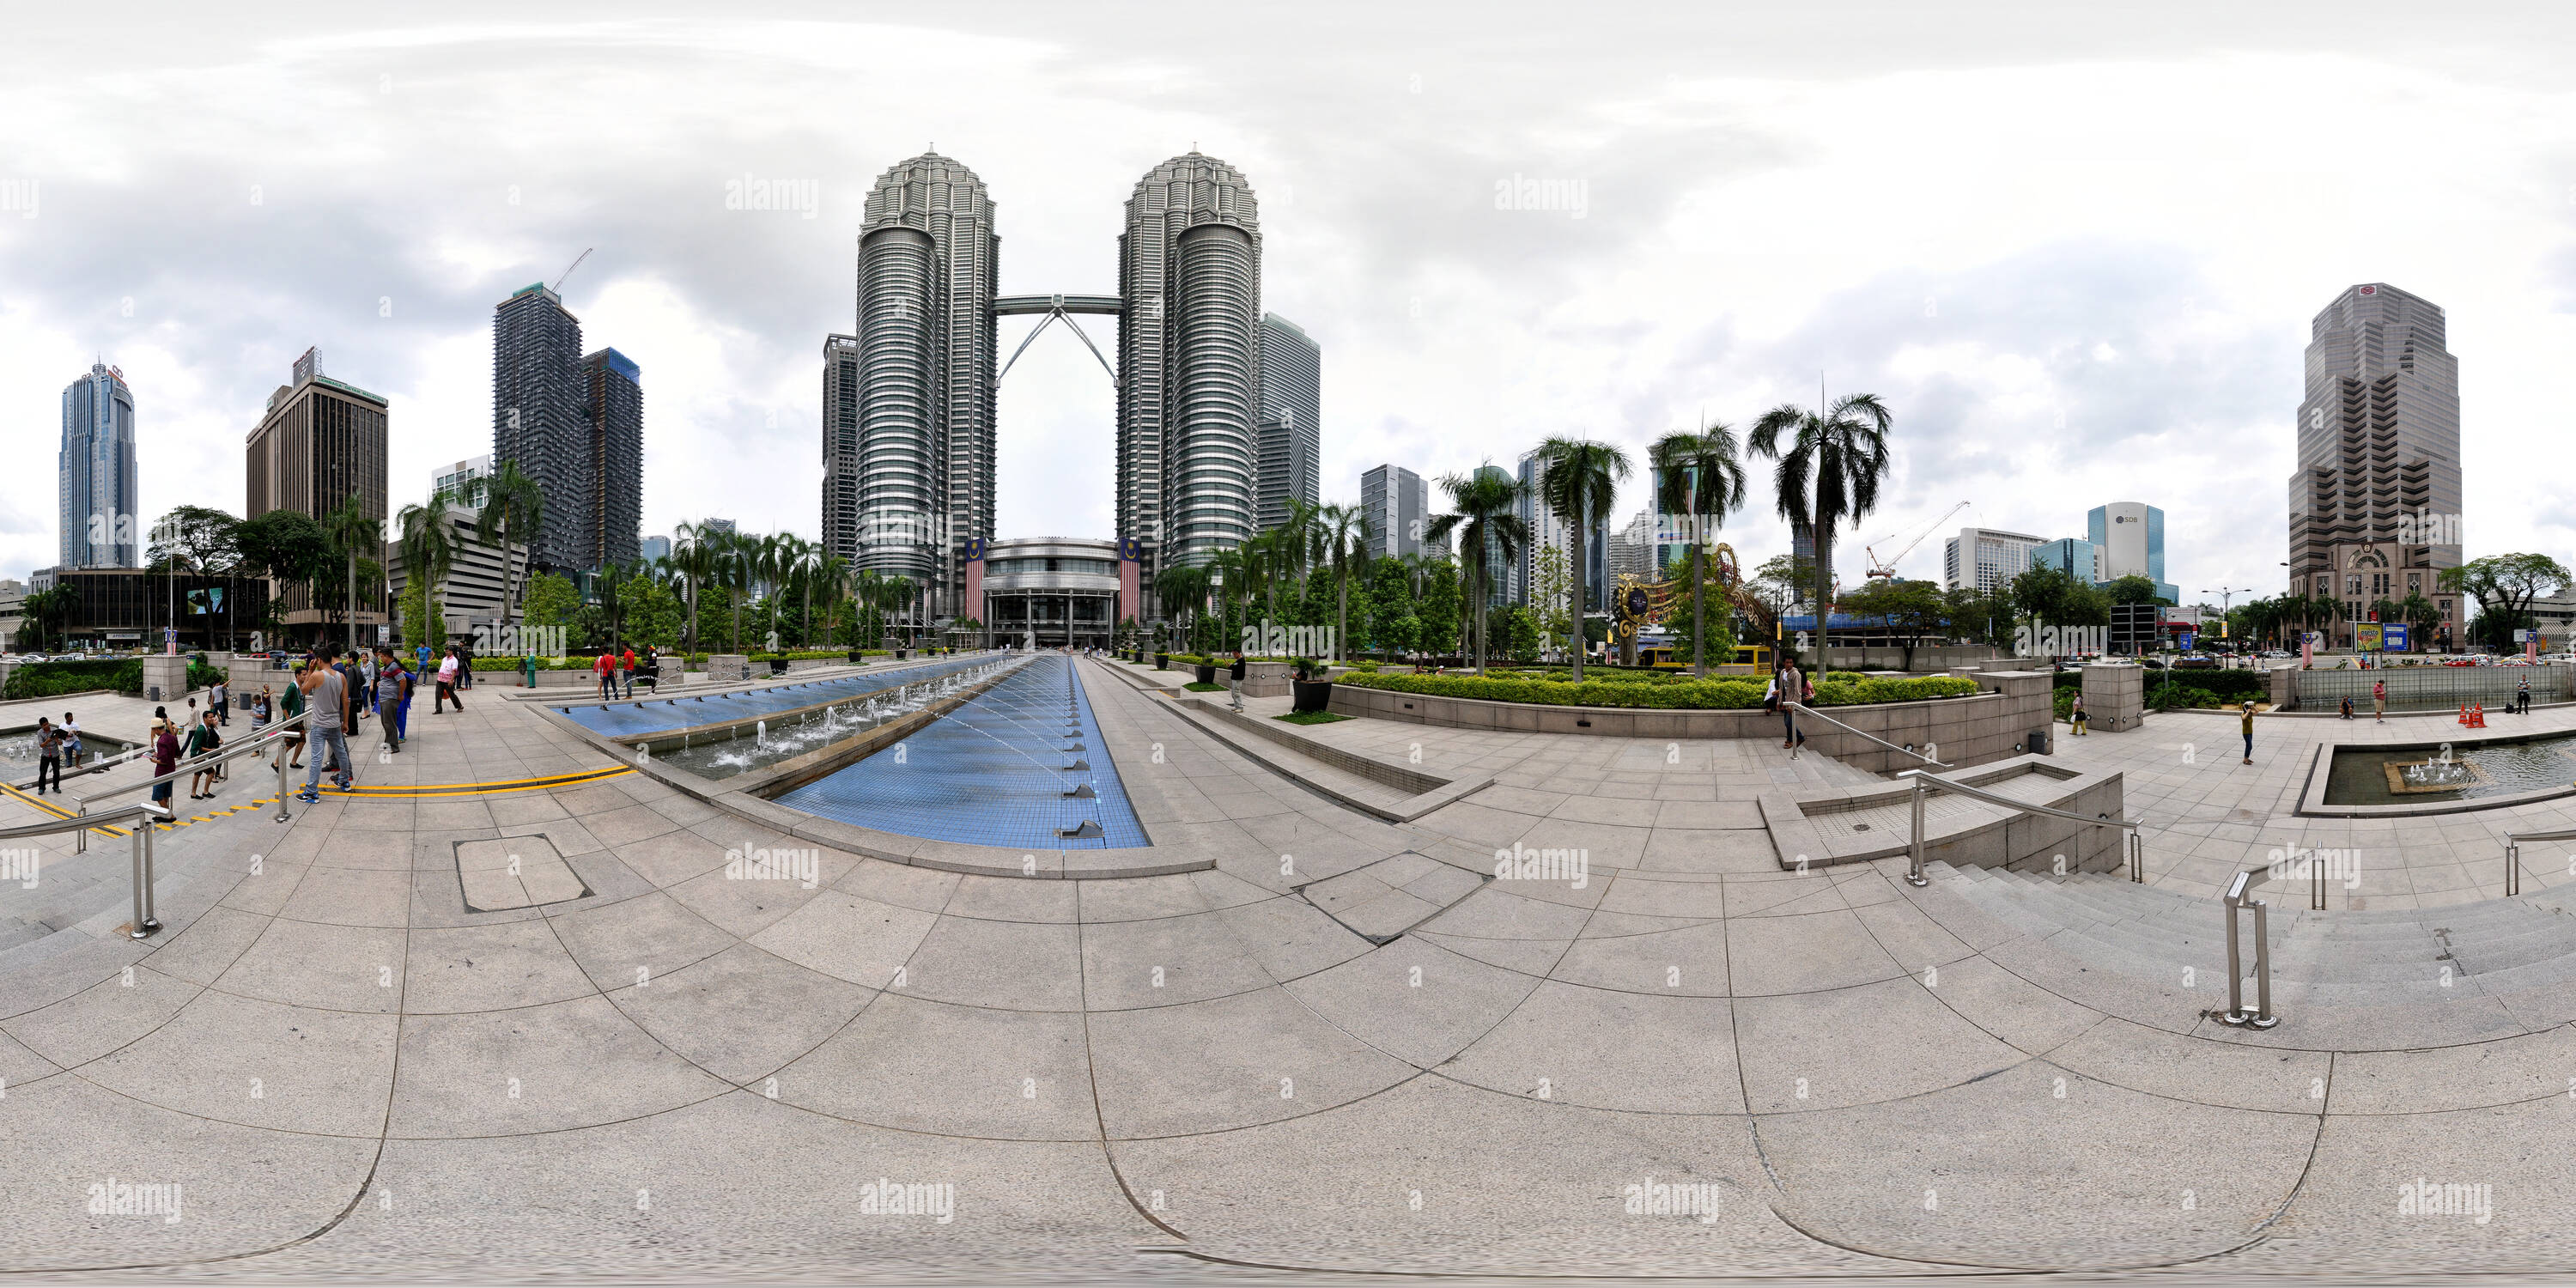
{"x":653,"y":715}
{"x":993,"y":772}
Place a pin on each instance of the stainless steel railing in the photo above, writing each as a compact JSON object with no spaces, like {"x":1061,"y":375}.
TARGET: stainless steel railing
{"x":2513,"y":855}
{"x":1795,"y":746}
{"x":1924,"y":784}
{"x":143,"y":815}
{"x":272,"y":736}
{"x":2261,"y":1017}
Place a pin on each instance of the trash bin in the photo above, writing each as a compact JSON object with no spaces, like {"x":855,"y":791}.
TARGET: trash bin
{"x":2039,"y":739}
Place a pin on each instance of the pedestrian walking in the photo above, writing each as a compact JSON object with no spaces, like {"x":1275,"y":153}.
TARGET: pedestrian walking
{"x":2076,"y":716}
{"x":446,"y":686}
{"x":165,"y":759}
{"x":2379,"y":701}
{"x":464,"y":670}
{"x":294,"y":704}
{"x":626,"y":672}
{"x":219,"y":701}
{"x":604,"y":670}
{"x":263,"y":708}
{"x":326,"y":690}
{"x":2249,"y":730}
{"x":389,"y":699}
{"x":1793,"y":690}
{"x":202,"y":741}
{"x":49,"y":755}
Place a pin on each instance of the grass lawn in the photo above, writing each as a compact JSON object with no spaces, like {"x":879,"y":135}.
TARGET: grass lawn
{"x":1310,"y":717}
{"x":1196,"y":687}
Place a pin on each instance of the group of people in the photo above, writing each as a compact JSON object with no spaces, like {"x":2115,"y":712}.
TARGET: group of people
{"x":616,"y":671}
{"x":1789,"y":687}
{"x":56,"y":746}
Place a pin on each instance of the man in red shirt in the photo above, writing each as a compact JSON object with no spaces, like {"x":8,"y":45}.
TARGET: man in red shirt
{"x":626,"y":672}
{"x":606,"y":669}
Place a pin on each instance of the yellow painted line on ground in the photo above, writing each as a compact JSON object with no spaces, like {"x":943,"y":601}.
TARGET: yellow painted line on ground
{"x":57,"y":810}
{"x":480,"y":789}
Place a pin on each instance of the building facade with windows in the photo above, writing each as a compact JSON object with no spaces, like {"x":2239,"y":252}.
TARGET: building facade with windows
{"x":1292,"y":418}
{"x":97,"y":484}
{"x":614,"y":404}
{"x":1985,"y":558}
{"x":2131,"y":536}
{"x":2375,"y":502}
{"x":321,"y":443}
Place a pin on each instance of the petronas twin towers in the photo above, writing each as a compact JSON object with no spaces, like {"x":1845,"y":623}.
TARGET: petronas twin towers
{"x":908,"y":433}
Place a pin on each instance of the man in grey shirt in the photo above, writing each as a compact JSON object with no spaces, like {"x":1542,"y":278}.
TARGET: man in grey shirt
{"x":325,"y":697}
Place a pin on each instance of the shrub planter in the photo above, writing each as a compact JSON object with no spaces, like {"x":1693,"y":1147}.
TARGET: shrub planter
{"x":858,"y":658}
{"x":1206,"y":673}
{"x":1311,"y":695}
{"x":902,"y":653}
{"x":778,"y":666}
{"x":1162,"y":661}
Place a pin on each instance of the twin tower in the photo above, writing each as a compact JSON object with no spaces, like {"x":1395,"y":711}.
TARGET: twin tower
{"x":908,"y":435}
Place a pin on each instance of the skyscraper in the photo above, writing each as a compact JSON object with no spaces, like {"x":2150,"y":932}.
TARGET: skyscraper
{"x":1396,"y":505}
{"x":2131,"y":538}
{"x":923,"y":453}
{"x":457,"y":480}
{"x":541,"y":419}
{"x":320,"y":443}
{"x":614,"y":405}
{"x":1547,"y":532}
{"x":1985,"y":558}
{"x":1189,"y":372}
{"x":841,"y":357}
{"x":96,"y":486}
{"x":1291,"y":427}
{"x":2375,"y":504}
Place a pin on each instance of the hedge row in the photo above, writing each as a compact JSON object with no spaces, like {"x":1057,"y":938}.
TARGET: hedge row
{"x":1695,"y":695}
{"x":124,"y":675}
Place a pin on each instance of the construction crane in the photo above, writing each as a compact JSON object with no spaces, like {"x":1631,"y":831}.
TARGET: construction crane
{"x":557,"y":288}
{"x":1885,"y":569}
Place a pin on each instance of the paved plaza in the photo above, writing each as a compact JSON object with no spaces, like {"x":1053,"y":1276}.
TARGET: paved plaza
{"x":699,"y":1045}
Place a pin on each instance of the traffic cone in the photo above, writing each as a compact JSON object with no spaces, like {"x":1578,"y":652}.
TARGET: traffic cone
{"x":2464,"y":715}
{"x":2478,"y":716}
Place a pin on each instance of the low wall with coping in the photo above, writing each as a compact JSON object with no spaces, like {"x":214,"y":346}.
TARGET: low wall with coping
{"x":1969,"y":730}
{"x":2492,"y":686}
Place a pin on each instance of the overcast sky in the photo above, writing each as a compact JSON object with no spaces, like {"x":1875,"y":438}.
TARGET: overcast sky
{"x":2076,"y":248}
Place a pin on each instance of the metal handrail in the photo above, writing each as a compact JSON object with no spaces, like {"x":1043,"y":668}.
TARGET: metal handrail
{"x":103,"y":763}
{"x":270,"y":736}
{"x":2137,"y":852}
{"x":1796,"y":707}
{"x":2513,"y":854}
{"x":2236,"y":900}
{"x":143,"y":814}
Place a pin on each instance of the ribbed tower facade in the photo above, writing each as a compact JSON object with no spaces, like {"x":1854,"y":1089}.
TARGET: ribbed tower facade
{"x":541,"y":420}
{"x":1189,"y":365}
{"x":96,"y":477}
{"x":1291,"y":427}
{"x":615,"y":401}
{"x":924,"y":436}
{"x":2375,"y":505}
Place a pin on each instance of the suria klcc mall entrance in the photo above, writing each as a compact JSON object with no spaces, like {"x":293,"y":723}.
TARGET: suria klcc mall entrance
{"x":1051,"y":591}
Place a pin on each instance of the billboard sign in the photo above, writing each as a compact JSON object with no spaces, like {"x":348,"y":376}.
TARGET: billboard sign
{"x":2366,"y":635}
{"x":2395,"y":637}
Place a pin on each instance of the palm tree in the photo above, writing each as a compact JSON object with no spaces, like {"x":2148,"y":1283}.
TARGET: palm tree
{"x":1700,"y":477}
{"x":514,"y":512}
{"x":1828,"y":472}
{"x":1228,"y":573}
{"x":1484,"y":510}
{"x":1344,"y":530}
{"x":1578,"y":480}
{"x":428,"y":545}
{"x":351,"y":531}
{"x":832,"y":571}
{"x":1182,"y":588}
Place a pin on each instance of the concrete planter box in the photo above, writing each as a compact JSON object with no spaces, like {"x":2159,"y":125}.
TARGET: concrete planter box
{"x":809,"y":663}
{"x":1266,"y":679}
{"x":729,"y":668}
{"x":1971,"y":729}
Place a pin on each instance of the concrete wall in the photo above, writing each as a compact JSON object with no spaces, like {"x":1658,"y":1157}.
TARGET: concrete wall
{"x":1930,"y":659}
{"x":2320,"y":690}
{"x":1969,"y":730}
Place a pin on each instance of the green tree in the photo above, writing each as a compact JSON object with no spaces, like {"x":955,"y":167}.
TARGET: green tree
{"x":552,"y":601}
{"x":1699,"y":477}
{"x":1828,"y":473}
{"x":1578,"y":480}
{"x":2505,"y":586}
{"x":513,"y":513}
{"x":1911,"y":610}
{"x":1485,"y":515}
{"x":1343,"y":531}
{"x":2134,"y":589}
{"x":1437,"y":611}
{"x":1551,"y":591}
{"x":287,"y":546}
